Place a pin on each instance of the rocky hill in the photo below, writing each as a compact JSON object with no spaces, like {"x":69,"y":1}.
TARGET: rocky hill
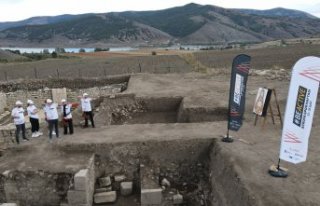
{"x":189,"y":24}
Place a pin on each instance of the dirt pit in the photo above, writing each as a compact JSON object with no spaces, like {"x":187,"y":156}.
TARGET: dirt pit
{"x":129,"y":109}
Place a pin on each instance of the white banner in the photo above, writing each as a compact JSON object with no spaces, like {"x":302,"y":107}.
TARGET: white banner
{"x":300,"y":107}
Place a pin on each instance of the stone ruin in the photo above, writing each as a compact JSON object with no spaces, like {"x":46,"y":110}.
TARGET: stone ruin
{"x":167,"y":159}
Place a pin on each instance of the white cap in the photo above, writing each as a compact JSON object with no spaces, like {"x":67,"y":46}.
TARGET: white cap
{"x":63,"y":100}
{"x":30,"y":101}
{"x":49,"y":101}
{"x":85,"y":94}
{"x":19,"y":102}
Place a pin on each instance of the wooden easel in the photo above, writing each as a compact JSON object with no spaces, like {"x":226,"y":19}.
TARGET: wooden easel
{"x":270,"y":110}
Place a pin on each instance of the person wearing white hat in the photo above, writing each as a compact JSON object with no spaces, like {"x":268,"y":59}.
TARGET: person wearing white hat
{"x":52,"y":116}
{"x":87,"y":109}
{"x":18,"y":118}
{"x":34,"y":118}
{"x":66,"y":110}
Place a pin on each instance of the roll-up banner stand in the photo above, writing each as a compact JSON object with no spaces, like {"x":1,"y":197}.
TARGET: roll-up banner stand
{"x":301,"y":102}
{"x":237,"y":95}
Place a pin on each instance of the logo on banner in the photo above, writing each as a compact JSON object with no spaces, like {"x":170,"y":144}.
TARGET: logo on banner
{"x":244,"y":67}
{"x":238,"y":89}
{"x":290,"y":137}
{"x":311,"y":73}
{"x":300,"y":107}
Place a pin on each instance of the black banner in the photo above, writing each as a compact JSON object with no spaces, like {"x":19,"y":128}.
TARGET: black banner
{"x":238,"y":82}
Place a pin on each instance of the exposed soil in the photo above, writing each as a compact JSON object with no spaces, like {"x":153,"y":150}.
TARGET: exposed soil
{"x":237,"y":172}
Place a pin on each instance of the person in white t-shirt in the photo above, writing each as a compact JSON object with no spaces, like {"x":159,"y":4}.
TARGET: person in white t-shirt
{"x":87,"y":109}
{"x":52,"y":116}
{"x":18,"y":114}
{"x":66,"y":109}
{"x":34,"y":118}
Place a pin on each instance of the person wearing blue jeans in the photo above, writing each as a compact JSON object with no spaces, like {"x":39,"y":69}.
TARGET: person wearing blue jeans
{"x":18,"y":118}
{"x":51,"y":115}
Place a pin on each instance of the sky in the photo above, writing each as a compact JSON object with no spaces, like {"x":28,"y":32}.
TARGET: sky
{"x":14,"y":10}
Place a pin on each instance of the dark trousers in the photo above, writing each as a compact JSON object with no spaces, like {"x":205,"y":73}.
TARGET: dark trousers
{"x":34,"y":125}
{"x":53,"y":123}
{"x":90,"y":116}
{"x":67,"y":123}
{"x":22,"y":128}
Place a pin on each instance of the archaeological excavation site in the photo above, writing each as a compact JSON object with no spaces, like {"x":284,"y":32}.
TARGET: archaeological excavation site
{"x":157,"y":142}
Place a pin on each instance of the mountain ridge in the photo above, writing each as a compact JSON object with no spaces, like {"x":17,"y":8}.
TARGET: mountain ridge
{"x":189,"y":24}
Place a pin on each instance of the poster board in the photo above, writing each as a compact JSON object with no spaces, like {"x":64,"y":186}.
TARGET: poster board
{"x":262,"y":101}
{"x":59,"y":94}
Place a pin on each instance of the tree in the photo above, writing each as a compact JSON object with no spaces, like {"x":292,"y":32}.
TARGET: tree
{"x":60,"y":50}
{"x":46,"y":51}
{"x":82,"y":50}
{"x":54,"y":54}
{"x":101,"y":49}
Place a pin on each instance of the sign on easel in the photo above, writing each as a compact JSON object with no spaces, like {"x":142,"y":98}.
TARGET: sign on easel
{"x":263,"y":105}
{"x":262,"y":101}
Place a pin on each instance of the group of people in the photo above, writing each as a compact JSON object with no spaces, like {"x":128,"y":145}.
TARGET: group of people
{"x":51,"y":114}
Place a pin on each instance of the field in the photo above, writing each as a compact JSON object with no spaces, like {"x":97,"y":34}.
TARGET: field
{"x":142,"y":61}
{"x":262,"y":58}
{"x":168,"y":122}
{"x":93,"y":67}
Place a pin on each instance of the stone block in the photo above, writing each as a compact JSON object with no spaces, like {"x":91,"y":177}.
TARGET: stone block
{"x":6,"y":173}
{"x":151,"y":196}
{"x":8,"y":204}
{"x":126,"y":188}
{"x":177,"y":199}
{"x":76,"y":198}
{"x":81,"y":180}
{"x":119,"y":178}
{"x":105,"y":197}
{"x":103,"y":189}
{"x":105,"y":181}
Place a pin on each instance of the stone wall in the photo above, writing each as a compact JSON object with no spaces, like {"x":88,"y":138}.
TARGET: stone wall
{"x":34,"y":85}
{"x":3,"y":102}
{"x":40,"y":95}
{"x":34,"y":188}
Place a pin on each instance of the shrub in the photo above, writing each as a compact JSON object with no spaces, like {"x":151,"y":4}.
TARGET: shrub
{"x":54,"y":55}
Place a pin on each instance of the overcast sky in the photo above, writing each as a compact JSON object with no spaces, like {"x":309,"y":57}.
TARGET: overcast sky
{"x":13,"y":10}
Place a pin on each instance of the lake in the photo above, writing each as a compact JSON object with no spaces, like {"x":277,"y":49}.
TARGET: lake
{"x":68,"y":50}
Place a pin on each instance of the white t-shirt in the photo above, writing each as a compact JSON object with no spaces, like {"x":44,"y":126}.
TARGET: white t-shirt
{"x":18,"y":115}
{"x":51,"y":111}
{"x":86,"y":104}
{"x":68,"y":111}
{"x":31,"y":109}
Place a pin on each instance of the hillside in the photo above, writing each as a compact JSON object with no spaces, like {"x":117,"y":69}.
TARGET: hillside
{"x":189,"y":24}
{"x":6,"y":56}
{"x":39,"y":20}
{"x":277,"y":12}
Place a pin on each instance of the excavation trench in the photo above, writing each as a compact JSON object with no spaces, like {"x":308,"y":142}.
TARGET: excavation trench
{"x":163,"y":171}
{"x":194,"y":169}
{"x":130,"y":109}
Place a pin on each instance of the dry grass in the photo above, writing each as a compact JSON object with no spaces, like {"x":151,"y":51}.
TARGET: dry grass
{"x":113,"y":63}
{"x":264,"y":58}
{"x":93,"y":67}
